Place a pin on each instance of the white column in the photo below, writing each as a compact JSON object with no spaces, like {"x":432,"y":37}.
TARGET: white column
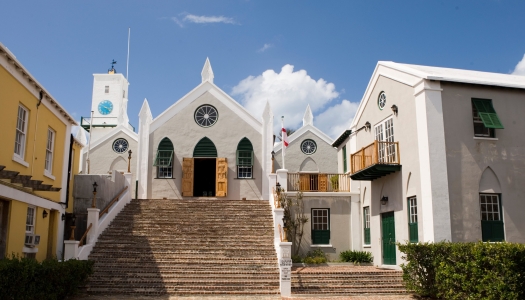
{"x":435,"y":206}
{"x":145,"y":118}
{"x":285,"y":267}
{"x":92,"y":218}
{"x":282,"y":178}
{"x":278,"y":214}
{"x":71,"y":250}
{"x":355,"y":223}
{"x":267,"y":147}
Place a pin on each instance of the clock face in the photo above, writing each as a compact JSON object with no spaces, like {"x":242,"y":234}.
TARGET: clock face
{"x":105,"y":107}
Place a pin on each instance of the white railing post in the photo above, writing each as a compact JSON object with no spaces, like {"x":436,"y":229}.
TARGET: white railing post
{"x":93,"y":214}
{"x":71,"y":249}
{"x":285,"y":267}
{"x":282,"y":178}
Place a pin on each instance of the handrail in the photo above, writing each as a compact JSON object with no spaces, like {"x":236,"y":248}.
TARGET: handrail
{"x":276,"y":200}
{"x":84,"y":236}
{"x":318,"y":182}
{"x":280,"y":232}
{"x":105,"y":210}
{"x":378,"y":152}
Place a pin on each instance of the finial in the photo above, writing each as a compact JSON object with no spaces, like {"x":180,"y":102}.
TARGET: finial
{"x":207,"y":72}
{"x":308,"y":118}
{"x":112,"y":70}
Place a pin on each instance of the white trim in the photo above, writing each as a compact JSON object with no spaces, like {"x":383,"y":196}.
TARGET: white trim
{"x":194,"y":94}
{"x":51,"y":150}
{"x":324,"y":194}
{"x":20,"y":160}
{"x":485,"y":138}
{"x":49,"y":175}
{"x":322,"y":246}
{"x":112,"y":133}
{"x":301,"y":131}
{"x":30,"y":199}
{"x":29,"y":250}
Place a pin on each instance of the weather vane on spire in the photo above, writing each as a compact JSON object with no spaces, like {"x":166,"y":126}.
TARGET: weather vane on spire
{"x":112,"y":70}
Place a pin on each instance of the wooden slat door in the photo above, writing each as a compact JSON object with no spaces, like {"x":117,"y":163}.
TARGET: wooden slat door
{"x":323,"y":178}
{"x":304,"y":182}
{"x":187,"y":176}
{"x":222,"y":177}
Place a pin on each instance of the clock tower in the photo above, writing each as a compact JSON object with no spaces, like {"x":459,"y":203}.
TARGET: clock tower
{"x":109,"y":103}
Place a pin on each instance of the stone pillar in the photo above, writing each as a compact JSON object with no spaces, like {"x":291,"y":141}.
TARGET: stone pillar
{"x":128,"y":180}
{"x":282,"y":178}
{"x":93,"y":214}
{"x":285,"y":268}
{"x":278,"y":214}
{"x":71,"y":250}
{"x":355,"y":223}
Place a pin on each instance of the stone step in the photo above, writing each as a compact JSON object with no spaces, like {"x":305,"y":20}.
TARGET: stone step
{"x":187,"y":268}
{"x":356,"y":291}
{"x":182,"y":291}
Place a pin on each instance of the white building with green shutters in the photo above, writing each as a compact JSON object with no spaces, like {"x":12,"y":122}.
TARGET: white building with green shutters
{"x":435,"y":154}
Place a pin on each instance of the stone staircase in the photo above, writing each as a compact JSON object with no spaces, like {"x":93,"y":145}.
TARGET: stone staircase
{"x":351,"y":280}
{"x":187,"y":247}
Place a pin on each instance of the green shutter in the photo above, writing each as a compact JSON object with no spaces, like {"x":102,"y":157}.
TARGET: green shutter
{"x":344,"y":159}
{"x":245,"y":153}
{"x":413,"y":233}
{"x":487,"y":113}
{"x":366,"y":229}
{"x":164,"y":153}
{"x":245,"y":144}
{"x":320,"y":237}
{"x":492,"y":231}
{"x":205,"y":148}
{"x":367,"y":236}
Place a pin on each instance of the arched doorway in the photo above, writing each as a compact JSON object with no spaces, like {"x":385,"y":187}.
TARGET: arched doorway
{"x":204,"y":168}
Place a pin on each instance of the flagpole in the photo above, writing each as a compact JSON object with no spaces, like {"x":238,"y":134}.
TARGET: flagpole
{"x":283,"y":133}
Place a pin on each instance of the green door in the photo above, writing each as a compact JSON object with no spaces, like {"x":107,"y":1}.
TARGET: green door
{"x":389,"y":238}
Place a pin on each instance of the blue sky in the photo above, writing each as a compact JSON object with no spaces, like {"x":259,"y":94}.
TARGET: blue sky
{"x":333,"y":47}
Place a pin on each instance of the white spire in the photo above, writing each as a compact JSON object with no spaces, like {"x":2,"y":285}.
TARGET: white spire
{"x":145,"y":111}
{"x":207,"y":72}
{"x":308,"y":118}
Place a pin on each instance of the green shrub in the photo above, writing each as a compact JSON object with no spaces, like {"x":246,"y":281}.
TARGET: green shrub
{"x":356,"y":257}
{"x":23,"y":278}
{"x":465,"y":270}
{"x":315,"y":257}
{"x":297,"y":259}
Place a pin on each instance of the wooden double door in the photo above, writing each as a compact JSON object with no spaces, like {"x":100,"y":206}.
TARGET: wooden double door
{"x":204,"y":177}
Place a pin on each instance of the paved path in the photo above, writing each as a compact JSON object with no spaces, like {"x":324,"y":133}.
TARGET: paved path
{"x":314,"y":297}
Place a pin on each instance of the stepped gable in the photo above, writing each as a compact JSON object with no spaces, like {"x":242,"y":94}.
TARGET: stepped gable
{"x":346,"y":280}
{"x":185,"y":247}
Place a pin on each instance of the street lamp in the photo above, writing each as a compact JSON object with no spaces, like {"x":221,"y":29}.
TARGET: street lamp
{"x":129,"y":160}
{"x":94,"y":202}
{"x":73,"y":220}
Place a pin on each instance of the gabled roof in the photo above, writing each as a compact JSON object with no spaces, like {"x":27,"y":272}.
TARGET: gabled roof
{"x":301,"y":131}
{"x":202,"y":88}
{"x":39,"y":87}
{"x":340,"y":139}
{"x":112,"y":133}
{"x":412,"y":75}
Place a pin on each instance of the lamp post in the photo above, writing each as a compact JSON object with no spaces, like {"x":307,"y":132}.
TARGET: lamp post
{"x":129,"y":160}
{"x":285,"y":236}
{"x":44,"y":214}
{"x":94,"y":202}
{"x":278,"y":191}
{"x":73,"y":220}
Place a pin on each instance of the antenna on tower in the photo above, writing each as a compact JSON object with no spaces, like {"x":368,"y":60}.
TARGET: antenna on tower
{"x":127,"y":62}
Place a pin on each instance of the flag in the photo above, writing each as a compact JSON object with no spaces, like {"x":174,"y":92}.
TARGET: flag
{"x":284,"y":138}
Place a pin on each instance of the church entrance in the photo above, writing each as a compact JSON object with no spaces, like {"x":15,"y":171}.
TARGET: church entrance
{"x":204,"y":177}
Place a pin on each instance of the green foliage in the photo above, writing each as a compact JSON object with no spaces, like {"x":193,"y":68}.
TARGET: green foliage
{"x":335,"y":182}
{"x":294,"y":218}
{"x":297,"y":259}
{"x":356,"y":257}
{"x":465,"y":270}
{"x":24,"y":278}
{"x":315,"y":257}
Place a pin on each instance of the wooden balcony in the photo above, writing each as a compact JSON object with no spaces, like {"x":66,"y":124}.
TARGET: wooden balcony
{"x":375,"y":160}
{"x":318,"y":182}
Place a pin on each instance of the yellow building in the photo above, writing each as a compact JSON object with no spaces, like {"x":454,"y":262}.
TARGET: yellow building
{"x":34,"y":164}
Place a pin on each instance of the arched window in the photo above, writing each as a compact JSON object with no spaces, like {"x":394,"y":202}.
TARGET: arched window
{"x":245,"y":159}
{"x":164,"y":159}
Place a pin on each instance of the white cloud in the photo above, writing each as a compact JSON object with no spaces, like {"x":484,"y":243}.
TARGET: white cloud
{"x":265,"y":47}
{"x":289,"y":93}
{"x":520,"y":67}
{"x":336,"y":119}
{"x":177,"y":21}
{"x":208,"y":19}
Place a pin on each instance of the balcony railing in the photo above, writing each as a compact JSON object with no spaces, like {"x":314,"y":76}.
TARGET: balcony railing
{"x":377,"y":159}
{"x":318,"y":182}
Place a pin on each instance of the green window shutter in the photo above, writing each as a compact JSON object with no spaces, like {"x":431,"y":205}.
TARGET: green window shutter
{"x":244,"y":158}
{"x":163,"y":158}
{"x":367,"y":236}
{"x":320,"y":237}
{"x":413,"y":233}
{"x":344,"y":159}
{"x":492,"y":231}
{"x":487,"y":113}
{"x":205,"y":148}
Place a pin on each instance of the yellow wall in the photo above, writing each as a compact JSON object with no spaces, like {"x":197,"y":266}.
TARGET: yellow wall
{"x":17,"y":228}
{"x":75,"y":168}
{"x":13,"y":93}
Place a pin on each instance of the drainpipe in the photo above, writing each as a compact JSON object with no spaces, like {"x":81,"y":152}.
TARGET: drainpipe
{"x":69,"y":169}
